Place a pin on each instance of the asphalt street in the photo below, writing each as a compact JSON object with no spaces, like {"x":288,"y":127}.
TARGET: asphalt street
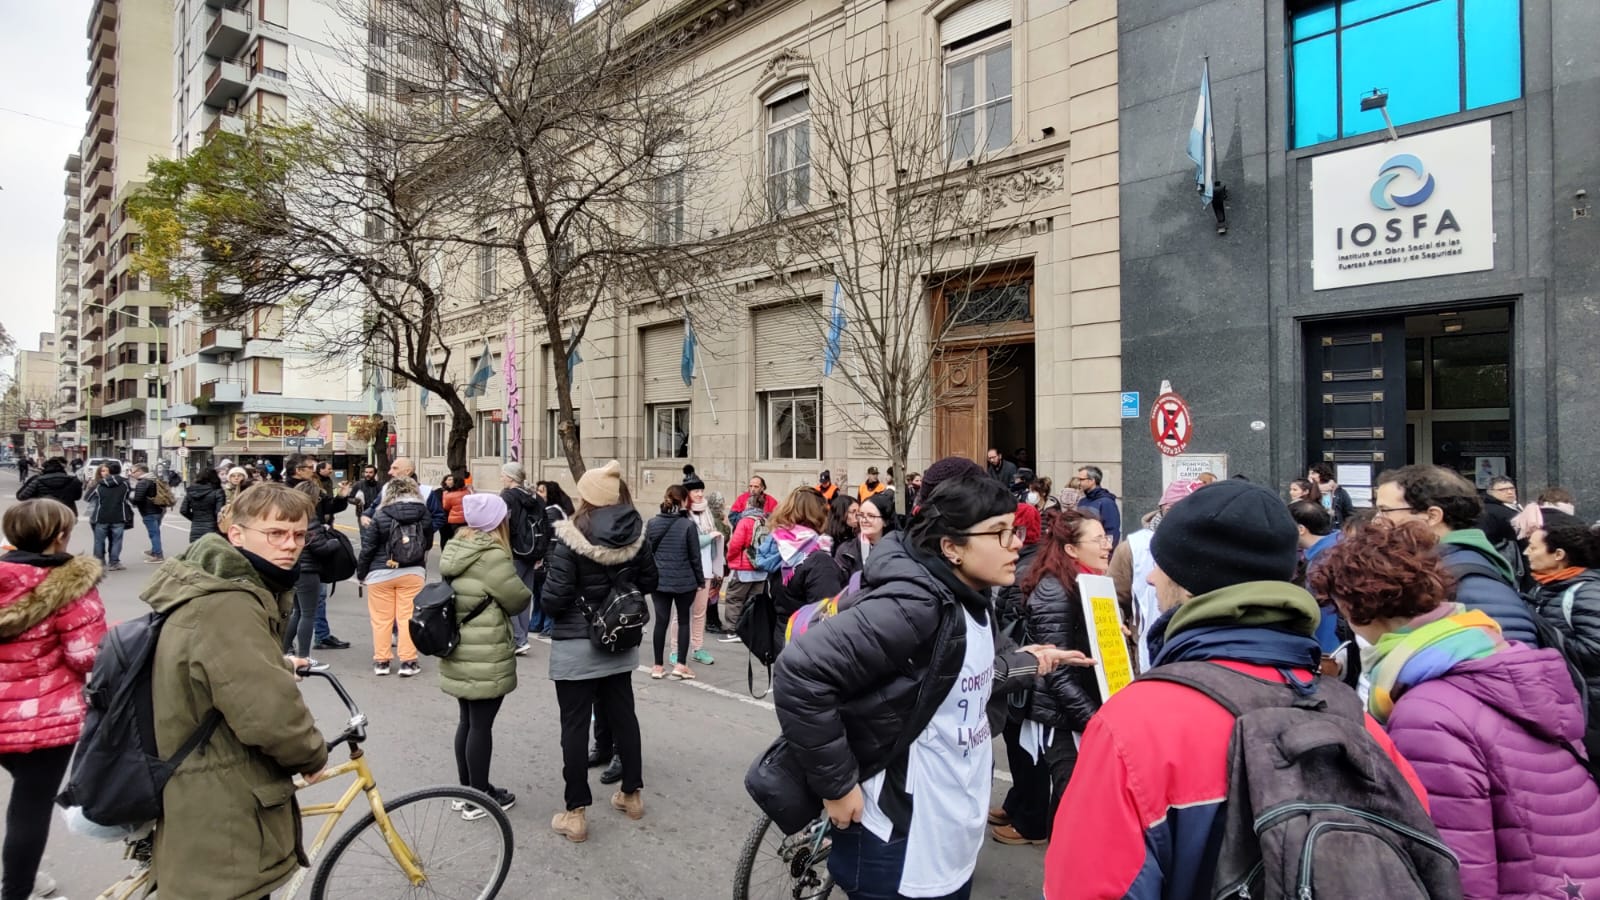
{"x":699,"y":737}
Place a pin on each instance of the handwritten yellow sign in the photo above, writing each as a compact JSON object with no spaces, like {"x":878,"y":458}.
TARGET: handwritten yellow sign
{"x":1106,"y":641}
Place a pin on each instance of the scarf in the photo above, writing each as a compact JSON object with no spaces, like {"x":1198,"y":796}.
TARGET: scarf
{"x":1559,"y":574}
{"x":1426,"y":648}
{"x":276,"y":580}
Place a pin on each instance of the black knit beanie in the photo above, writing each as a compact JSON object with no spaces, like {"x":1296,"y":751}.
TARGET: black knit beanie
{"x":691,"y":481}
{"x":1224,"y":534}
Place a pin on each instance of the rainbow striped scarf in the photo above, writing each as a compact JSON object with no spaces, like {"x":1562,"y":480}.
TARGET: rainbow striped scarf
{"x":1409,"y":656}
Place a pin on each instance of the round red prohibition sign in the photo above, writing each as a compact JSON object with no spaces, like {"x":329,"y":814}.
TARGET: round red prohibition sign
{"x":1171,"y":425}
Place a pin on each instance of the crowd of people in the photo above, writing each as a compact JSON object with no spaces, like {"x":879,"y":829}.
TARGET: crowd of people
{"x":1448,"y":645}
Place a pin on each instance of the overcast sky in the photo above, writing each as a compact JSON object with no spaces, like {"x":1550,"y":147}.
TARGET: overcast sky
{"x":44,"y":71}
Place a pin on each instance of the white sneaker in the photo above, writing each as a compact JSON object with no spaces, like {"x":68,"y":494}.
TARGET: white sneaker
{"x":43,"y":886}
{"x":729,"y":638}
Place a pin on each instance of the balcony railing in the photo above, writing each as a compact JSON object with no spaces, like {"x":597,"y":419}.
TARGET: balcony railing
{"x":221,"y":340}
{"x":223,"y":390}
{"x":225,"y":123}
{"x":229,"y":31}
{"x":227,"y":81}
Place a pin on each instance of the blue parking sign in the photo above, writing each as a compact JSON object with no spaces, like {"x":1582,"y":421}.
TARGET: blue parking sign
{"x":1130,"y":404}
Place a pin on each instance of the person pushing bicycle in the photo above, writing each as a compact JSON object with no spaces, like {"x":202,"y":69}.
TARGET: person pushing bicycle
{"x":230,"y":824}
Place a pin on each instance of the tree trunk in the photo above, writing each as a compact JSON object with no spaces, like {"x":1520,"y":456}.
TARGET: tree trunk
{"x":455,"y":456}
{"x":899,"y":449}
{"x":566,"y":418}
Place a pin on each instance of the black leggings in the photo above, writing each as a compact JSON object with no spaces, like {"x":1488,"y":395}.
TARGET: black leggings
{"x":35,"y":779}
{"x":609,"y":698}
{"x":665,"y":603}
{"x":303,"y":618}
{"x":475,"y":742}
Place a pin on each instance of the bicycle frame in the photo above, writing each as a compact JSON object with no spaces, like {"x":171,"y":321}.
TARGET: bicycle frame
{"x":364,"y":783}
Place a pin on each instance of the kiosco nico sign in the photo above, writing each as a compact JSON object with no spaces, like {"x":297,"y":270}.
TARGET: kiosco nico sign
{"x":1396,"y":210}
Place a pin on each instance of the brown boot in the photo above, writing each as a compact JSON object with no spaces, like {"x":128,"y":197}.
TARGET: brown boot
{"x":632,"y":804}
{"x":572,"y":824}
{"x":1005,"y":834}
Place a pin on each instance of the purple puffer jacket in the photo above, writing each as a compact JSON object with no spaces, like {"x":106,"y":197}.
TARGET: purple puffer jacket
{"x":1516,"y":806}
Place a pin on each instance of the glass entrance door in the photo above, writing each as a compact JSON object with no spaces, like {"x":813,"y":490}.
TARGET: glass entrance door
{"x":1458,"y":392}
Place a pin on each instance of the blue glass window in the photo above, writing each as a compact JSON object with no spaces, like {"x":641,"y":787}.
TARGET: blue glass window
{"x":1434,"y":57}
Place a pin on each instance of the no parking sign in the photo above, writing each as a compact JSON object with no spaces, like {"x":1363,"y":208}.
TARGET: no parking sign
{"x":1171,"y":424}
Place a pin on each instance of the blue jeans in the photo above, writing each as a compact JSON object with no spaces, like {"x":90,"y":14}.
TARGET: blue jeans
{"x":112,"y":534}
{"x":529,"y":619}
{"x":152,"y":524}
{"x":322,"y":632}
{"x":866,"y":868}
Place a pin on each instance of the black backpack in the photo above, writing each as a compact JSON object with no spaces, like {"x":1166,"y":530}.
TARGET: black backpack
{"x":434,"y":628}
{"x":758,"y":631}
{"x":1315,"y":807}
{"x":529,"y":527}
{"x":117,"y":773}
{"x":618,"y":624}
{"x":405,"y":546}
{"x":333,"y":555}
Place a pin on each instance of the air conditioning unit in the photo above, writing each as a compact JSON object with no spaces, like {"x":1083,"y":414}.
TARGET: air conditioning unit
{"x":225,"y":358}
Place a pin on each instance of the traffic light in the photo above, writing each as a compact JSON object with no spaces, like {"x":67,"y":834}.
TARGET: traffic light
{"x":183,"y":431}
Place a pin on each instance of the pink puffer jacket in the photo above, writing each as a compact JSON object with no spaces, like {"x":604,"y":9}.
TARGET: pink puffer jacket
{"x":51,"y":623}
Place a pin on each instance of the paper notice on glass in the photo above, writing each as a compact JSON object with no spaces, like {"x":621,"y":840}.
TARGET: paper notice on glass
{"x":1353,"y":476}
{"x":1107,"y":643}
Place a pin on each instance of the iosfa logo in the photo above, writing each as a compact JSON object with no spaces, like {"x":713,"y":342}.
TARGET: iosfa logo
{"x":1399,"y":237}
{"x":1383,"y":196}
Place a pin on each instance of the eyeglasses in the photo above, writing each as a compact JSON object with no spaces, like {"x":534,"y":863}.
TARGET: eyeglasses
{"x":1386,"y":510}
{"x":280,"y":536}
{"x":1103,"y":540}
{"x":869,"y":517}
{"x":1004,"y":535}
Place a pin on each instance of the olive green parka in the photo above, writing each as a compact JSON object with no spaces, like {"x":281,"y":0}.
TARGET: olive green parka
{"x":484,"y":664}
{"x":230,"y":827}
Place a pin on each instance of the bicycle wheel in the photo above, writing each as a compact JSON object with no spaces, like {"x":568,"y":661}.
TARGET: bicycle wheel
{"x":775,"y":867}
{"x":459,"y":859}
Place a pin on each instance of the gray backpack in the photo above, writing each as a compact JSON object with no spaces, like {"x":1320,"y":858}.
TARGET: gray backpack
{"x":1315,"y":807}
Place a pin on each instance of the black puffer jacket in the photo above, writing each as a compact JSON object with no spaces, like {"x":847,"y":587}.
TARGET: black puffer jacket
{"x":674,"y":543}
{"x":1582,"y":634}
{"x":375,"y":537}
{"x":202,"y":506}
{"x":587,"y":565}
{"x":55,"y":484}
{"x":846,"y":692}
{"x":1068,"y":696}
{"x":816,"y":578}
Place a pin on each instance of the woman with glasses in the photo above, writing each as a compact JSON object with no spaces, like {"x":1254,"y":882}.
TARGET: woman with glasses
{"x":1042,"y":749}
{"x":874,"y":519}
{"x":887,"y":700}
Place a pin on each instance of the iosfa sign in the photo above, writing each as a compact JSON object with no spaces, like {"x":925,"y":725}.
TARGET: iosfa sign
{"x":1413,"y":208}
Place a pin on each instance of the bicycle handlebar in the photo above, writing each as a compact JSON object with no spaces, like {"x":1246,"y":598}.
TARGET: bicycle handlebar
{"x":356,"y":731}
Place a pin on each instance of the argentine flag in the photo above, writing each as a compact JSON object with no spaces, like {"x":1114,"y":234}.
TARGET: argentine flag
{"x":1203,"y":139}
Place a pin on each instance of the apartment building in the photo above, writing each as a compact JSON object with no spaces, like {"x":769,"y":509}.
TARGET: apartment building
{"x":31,"y":394}
{"x":1028,"y":92}
{"x":122,"y":322}
{"x":65,"y":409}
{"x":248,"y":389}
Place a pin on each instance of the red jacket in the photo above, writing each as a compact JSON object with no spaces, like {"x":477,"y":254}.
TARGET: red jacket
{"x":51,"y":623}
{"x":739,"y":541}
{"x":769,"y":503}
{"x":1151,"y":777}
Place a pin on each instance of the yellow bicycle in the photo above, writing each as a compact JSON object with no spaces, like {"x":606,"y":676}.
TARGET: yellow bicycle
{"x":445,"y":841}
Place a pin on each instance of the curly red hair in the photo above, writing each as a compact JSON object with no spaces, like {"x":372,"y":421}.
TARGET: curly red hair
{"x":1383,"y":571}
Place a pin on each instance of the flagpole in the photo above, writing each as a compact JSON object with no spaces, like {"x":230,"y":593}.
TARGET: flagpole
{"x":700,"y":370}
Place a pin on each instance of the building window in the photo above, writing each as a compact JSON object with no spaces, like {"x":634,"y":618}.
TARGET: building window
{"x":1433,"y":57}
{"x":669,"y":431}
{"x":789,"y":148}
{"x":491,"y":432}
{"x":377,"y":83}
{"x":438,"y":436}
{"x":989,"y":304}
{"x":977,"y":78}
{"x":791,"y":424}
{"x":669,"y":208}
{"x":552,"y":432}
{"x":488,"y":277}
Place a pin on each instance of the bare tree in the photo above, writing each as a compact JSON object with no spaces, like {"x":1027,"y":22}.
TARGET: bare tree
{"x":335,"y":224}
{"x":896,"y":207}
{"x":582,"y":142}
